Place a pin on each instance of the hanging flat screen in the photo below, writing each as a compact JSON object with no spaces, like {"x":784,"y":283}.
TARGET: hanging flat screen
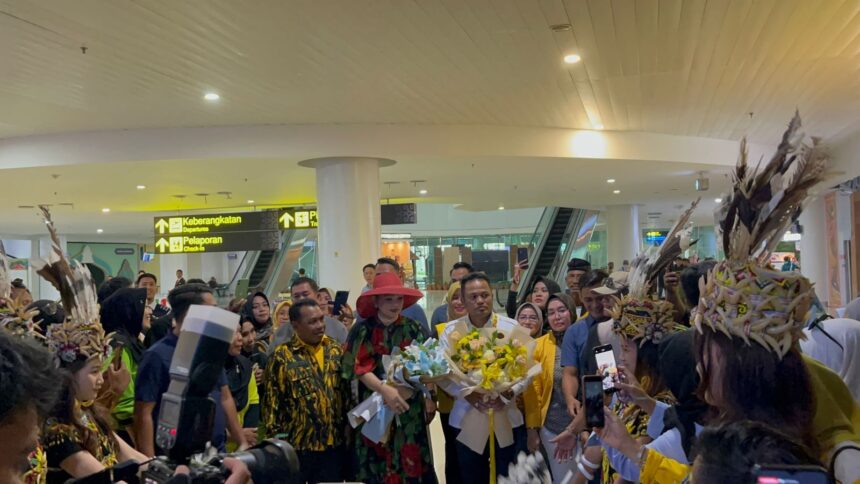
{"x":399,"y":213}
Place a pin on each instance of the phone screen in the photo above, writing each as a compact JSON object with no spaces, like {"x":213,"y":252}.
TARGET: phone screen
{"x":340,"y":298}
{"x":606,"y":366}
{"x":593,"y":392}
{"x":791,"y":475}
{"x":522,"y":254}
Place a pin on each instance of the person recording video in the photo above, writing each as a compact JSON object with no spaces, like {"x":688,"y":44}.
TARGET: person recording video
{"x":153,"y":379}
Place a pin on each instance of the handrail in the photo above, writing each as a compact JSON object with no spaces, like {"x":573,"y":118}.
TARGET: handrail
{"x":538,"y":241}
{"x":248,"y":260}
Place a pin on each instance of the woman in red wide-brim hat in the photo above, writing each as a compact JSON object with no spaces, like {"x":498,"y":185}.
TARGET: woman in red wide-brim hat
{"x":406,"y":455}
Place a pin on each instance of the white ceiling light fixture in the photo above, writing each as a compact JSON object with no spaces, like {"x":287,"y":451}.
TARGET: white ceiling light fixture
{"x":99,"y":231}
{"x":250,"y":201}
{"x":141,"y":187}
{"x":105,"y":210}
{"x":422,"y":191}
{"x":211,"y":96}
{"x":718,"y":200}
{"x":616,"y":191}
{"x":501,"y":207}
{"x":610,"y":180}
{"x":572,"y":59}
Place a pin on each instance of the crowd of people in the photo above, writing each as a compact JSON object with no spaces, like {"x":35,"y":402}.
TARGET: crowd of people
{"x":725,"y":370}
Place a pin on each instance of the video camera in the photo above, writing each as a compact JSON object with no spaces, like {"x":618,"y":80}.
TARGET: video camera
{"x":271,"y":462}
{"x":187,"y":412}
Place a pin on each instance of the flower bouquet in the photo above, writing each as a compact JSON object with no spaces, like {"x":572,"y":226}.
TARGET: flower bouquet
{"x":495,"y":363}
{"x":409,"y":370}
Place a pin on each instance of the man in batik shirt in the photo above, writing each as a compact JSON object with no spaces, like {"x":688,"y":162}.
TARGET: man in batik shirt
{"x":305,"y":397}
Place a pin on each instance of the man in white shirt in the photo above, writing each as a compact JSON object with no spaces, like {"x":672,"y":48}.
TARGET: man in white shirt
{"x":369,"y":272}
{"x":477,"y":296}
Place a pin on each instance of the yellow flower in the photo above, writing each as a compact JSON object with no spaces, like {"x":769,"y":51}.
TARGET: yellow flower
{"x":490,"y":375}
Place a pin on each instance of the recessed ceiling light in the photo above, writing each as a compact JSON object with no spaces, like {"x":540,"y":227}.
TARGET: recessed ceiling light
{"x":141,"y":187}
{"x":250,"y":201}
{"x":211,"y":96}
{"x":616,"y":191}
{"x":105,"y":210}
{"x":422,"y":191}
{"x":572,"y":59}
{"x":99,"y":231}
{"x":610,"y":180}
{"x":718,"y":200}
{"x":501,"y":207}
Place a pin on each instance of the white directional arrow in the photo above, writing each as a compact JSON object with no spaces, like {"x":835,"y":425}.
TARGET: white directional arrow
{"x":162,"y":245}
{"x":286,"y":219}
{"x":161,"y":225}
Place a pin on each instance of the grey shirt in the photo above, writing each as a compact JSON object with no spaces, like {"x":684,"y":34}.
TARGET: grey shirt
{"x":334,"y":329}
{"x":557,"y":417}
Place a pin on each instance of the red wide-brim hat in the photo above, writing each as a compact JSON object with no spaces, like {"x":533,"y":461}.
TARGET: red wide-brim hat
{"x":385,"y":284}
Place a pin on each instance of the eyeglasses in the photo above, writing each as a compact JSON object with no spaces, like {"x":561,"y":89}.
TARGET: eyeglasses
{"x":530,"y":318}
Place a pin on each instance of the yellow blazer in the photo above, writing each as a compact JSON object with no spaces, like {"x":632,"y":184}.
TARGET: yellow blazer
{"x":538,"y":394}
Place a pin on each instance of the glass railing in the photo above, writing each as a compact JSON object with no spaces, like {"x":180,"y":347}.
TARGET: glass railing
{"x":576,"y":240}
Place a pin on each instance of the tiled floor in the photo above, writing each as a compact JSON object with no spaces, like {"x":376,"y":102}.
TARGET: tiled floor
{"x":431,"y":301}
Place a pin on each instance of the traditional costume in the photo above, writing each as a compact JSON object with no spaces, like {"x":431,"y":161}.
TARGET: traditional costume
{"x":79,"y":339}
{"x":645,"y":320}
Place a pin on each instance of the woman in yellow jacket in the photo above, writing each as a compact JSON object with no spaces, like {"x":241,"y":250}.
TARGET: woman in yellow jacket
{"x":546,"y":411}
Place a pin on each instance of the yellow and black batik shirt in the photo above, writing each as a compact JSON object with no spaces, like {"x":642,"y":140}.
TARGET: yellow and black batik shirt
{"x":305,"y":402}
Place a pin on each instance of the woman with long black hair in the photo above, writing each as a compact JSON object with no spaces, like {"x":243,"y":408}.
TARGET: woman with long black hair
{"x":123,"y":314}
{"x":258,"y":311}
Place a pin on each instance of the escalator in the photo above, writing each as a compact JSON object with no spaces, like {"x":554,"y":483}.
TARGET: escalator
{"x":264,"y":260}
{"x":554,"y":239}
{"x":270,"y":271}
{"x":561,"y":233}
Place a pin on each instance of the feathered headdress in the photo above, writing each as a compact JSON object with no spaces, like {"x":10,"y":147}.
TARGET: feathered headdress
{"x":13,"y":316}
{"x":81,"y":336}
{"x":742,"y":297}
{"x":638,"y":315}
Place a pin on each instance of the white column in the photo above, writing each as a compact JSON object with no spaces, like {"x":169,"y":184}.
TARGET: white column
{"x":622,"y":233}
{"x":812,"y":245}
{"x":349,"y":219}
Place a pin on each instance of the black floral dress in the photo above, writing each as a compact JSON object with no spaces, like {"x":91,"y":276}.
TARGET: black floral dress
{"x":406,"y":456}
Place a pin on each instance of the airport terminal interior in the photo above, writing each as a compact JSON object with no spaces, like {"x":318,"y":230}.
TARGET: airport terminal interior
{"x":353,"y":181}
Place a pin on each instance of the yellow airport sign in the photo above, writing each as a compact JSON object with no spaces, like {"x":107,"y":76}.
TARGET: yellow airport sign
{"x":298,"y":218}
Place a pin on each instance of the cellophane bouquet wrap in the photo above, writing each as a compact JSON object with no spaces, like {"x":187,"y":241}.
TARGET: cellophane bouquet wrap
{"x":409,"y":370}
{"x":495,"y":363}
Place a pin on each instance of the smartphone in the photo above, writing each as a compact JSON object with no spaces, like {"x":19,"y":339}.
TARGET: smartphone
{"x":523,"y":256}
{"x":606,"y":367}
{"x":593,"y":394}
{"x":787,"y":474}
{"x":340,"y":298}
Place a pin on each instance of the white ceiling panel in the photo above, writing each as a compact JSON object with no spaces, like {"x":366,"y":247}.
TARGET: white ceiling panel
{"x":687,"y":67}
